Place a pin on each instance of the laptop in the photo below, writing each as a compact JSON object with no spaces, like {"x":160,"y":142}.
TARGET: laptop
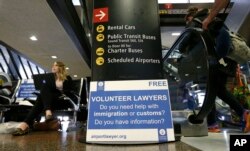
{"x":41,"y":79}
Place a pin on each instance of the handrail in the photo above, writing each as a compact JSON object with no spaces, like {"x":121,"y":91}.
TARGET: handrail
{"x":209,"y":52}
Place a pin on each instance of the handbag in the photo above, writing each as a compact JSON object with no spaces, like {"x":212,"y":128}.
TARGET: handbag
{"x":240,"y":51}
{"x":52,"y":125}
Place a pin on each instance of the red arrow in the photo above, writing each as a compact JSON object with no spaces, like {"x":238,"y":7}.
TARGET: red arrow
{"x":101,"y":15}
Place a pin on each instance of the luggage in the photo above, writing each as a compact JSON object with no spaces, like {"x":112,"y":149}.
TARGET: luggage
{"x":52,"y":125}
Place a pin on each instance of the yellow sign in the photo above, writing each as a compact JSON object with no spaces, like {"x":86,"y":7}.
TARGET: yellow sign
{"x":99,"y":61}
{"x":99,"y":51}
{"x":100,"y":28}
{"x":100,"y":37}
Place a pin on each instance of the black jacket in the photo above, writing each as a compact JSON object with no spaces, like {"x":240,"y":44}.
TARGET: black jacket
{"x":67,"y":86}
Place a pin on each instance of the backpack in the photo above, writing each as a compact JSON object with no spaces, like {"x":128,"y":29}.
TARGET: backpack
{"x":240,"y":51}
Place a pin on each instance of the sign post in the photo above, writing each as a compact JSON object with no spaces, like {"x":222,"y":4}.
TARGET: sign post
{"x":129,"y":100}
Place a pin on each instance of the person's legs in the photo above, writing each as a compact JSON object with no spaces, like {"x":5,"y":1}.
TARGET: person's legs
{"x":210,"y":102}
{"x":246,"y":118}
{"x":48,"y":97}
{"x":23,"y":128}
{"x":211,"y":118}
{"x":230,"y":99}
{"x":226,"y":96}
{"x":222,"y":45}
{"x":212,"y":122}
{"x":35,"y":112}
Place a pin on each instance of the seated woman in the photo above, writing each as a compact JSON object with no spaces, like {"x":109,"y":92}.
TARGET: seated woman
{"x":48,"y":98}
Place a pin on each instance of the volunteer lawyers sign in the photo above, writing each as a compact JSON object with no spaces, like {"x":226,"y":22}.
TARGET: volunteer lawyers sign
{"x":126,"y":40}
{"x":134,"y":111}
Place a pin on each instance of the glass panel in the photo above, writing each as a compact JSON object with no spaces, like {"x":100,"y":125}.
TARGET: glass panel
{"x":1,"y":69}
{"x":33,"y":68}
{"x":186,"y":70}
{"x":26,"y":67}
{"x":41,"y":70}
{"x":11,"y":70}
{"x":19,"y":70}
{"x":4,"y":64}
{"x":19,"y":65}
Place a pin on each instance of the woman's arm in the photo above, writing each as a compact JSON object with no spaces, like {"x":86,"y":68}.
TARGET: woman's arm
{"x":218,"y":5}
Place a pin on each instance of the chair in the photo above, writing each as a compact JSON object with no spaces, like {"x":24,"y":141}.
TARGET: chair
{"x":7,"y":98}
{"x":14,"y":107}
{"x":73,"y":102}
{"x":83,"y":109}
{"x":8,"y":89}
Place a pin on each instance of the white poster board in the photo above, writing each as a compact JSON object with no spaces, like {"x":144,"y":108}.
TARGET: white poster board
{"x":129,"y":112}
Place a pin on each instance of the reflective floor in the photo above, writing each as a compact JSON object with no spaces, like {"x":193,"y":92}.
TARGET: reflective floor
{"x":72,"y":141}
{"x":214,"y":141}
{"x":69,"y":141}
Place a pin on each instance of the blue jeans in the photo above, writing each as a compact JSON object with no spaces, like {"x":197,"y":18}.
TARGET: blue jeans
{"x":223,"y":43}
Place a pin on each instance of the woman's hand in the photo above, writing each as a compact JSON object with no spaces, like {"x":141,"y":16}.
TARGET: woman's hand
{"x":205,"y":23}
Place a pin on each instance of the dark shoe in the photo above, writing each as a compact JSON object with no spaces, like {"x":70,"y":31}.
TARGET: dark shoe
{"x":20,"y":132}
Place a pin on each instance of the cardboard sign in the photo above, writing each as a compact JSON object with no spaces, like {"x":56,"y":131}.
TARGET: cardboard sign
{"x":135,"y":111}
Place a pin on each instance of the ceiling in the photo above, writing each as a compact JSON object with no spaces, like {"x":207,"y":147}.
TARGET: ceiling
{"x":20,"y":19}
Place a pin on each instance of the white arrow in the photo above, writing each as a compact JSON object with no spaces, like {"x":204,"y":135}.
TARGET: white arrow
{"x":101,"y":15}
